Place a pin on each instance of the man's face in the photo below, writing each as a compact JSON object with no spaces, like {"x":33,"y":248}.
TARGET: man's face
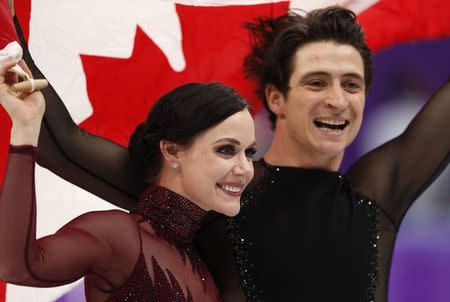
{"x":323,"y":109}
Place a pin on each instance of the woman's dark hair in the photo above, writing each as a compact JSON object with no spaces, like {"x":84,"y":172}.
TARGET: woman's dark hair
{"x":275,"y":42}
{"x":179,"y":117}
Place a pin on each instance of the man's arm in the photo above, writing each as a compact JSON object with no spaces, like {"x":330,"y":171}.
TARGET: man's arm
{"x":397,"y":172}
{"x":96,"y":164}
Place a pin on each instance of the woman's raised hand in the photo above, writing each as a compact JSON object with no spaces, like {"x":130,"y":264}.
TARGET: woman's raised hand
{"x":25,"y":110}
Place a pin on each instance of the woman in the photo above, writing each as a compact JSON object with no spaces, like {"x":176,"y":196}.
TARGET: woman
{"x":196,"y":147}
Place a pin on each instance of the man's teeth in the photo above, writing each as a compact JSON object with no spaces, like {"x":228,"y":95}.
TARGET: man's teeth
{"x":231,"y":188}
{"x":331,"y":123}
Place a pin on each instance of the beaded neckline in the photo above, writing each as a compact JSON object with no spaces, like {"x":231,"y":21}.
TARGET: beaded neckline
{"x":173,"y":217}
{"x":319,"y":171}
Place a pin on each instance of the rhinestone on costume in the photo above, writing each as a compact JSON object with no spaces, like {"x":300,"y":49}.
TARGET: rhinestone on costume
{"x":373,"y":213}
{"x":242,"y":230}
{"x":241,"y":244}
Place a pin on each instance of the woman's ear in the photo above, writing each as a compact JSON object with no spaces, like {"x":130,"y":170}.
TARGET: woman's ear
{"x":275,"y":100}
{"x":170,"y":152}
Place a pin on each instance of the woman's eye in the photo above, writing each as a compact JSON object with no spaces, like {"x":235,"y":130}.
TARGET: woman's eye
{"x":227,"y":150}
{"x":250,"y":153}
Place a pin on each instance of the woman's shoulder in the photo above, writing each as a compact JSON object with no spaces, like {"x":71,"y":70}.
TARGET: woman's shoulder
{"x":107,"y":224}
{"x":101,"y":218}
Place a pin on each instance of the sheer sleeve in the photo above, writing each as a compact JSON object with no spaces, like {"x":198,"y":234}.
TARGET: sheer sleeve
{"x":397,"y":172}
{"x":52,"y":260}
{"x":93,"y":163}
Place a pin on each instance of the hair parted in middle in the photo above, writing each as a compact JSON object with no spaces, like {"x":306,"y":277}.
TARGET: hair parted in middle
{"x":275,"y":42}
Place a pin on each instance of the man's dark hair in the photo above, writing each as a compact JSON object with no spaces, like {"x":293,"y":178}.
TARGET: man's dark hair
{"x":275,"y":42}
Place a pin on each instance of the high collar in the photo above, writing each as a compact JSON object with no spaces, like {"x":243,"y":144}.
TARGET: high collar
{"x":172,"y":216}
{"x":294,"y":176}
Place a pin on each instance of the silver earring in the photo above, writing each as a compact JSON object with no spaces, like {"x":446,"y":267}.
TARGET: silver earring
{"x":173,"y":165}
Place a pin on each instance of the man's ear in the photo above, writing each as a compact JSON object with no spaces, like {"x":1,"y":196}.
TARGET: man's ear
{"x":275,"y":100}
{"x":170,"y":151}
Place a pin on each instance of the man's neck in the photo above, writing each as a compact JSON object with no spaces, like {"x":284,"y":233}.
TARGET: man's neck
{"x":286,"y":152}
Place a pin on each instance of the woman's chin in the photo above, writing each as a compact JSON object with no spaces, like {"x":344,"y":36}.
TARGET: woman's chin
{"x":230,"y":209}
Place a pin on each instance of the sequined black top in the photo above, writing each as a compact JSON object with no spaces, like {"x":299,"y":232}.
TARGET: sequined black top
{"x":308,"y":234}
{"x":324,"y":236}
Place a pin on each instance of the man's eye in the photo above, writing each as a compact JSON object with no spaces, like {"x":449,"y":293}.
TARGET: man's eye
{"x":316,"y":84}
{"x":352,"y":86}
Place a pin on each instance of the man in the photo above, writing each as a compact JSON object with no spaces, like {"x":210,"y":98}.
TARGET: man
{"x":305,"y":232}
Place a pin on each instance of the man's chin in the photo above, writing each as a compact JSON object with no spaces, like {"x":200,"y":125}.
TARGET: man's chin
{"x":331,"y":149}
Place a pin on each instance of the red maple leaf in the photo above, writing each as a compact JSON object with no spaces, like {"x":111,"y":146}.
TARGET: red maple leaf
{"x":122,"y":91}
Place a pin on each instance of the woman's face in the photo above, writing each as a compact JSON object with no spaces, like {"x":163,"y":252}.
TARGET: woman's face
{"x":218,"y":165}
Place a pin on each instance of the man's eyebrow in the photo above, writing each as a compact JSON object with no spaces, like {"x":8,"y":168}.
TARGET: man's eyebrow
{"x":324,"y":73}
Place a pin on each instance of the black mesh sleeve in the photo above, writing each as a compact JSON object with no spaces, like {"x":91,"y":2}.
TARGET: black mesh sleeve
{"x":397,"y":172}
{"x":96,"y":164}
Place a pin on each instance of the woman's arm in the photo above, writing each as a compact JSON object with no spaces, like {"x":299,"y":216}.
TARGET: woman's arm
{"x":83,"y":246}
{"x":51,"y":261}
{"x":76,"y":249}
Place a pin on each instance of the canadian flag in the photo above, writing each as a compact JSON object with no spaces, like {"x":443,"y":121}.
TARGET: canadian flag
{"x":87,"y":48}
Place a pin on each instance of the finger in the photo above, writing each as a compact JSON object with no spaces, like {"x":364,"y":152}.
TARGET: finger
{"x":5,"y":75}
{"x":11,"y":78}
{"x":6,"y":66}
{"x":25,"y":68}
{"x":6,"y":98}
{"x":30,"y":85}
